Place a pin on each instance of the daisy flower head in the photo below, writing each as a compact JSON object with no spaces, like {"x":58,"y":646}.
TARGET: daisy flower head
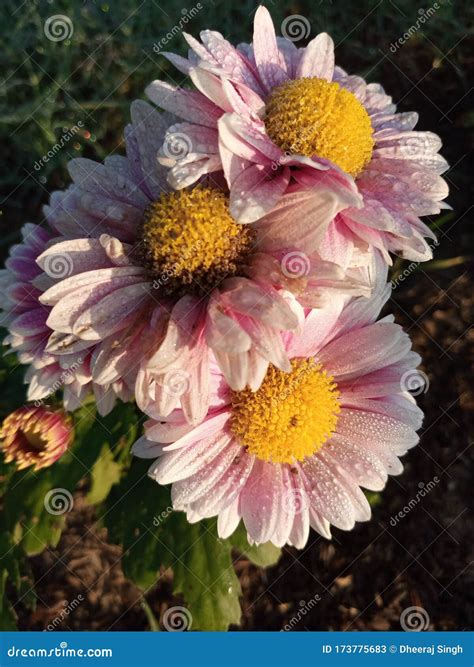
{"x":158,"y":279}
{"x":295,"y":453}
{"x":273,"y":117}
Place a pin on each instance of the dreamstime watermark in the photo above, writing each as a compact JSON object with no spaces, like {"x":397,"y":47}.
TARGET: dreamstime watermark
{"x":61,"y":651}
{"x":162,"y":516}
{"x":59,"y":27}
{"x":295,"y":264}
{"x":296,"y":148}
{"x":414,"y":619}
{"x":172,"y":271}
{"x":176,"y":146}
{"x":58,"y":501}
{"x":295,"y":27}
{"x":66,"y":376}
{"x":177,"y":619}
{"x":424,"y":15}
{"x":176,"y":382}
{"x":394,"y":283}
{"x":186,"y":17}
{"x":423,"y":490}
{"x":305,"y":607}
{"x":415,"y":382}
{"x":69,"y":607}
{"x":294,"y":502}
{"x":59,"y":266}
{"x":59,"y":145}
{"x":298,"y":375}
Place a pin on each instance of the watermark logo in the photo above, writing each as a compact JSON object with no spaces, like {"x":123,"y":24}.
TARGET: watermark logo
{"x":295,"y":501}
{"x":423,"y":17}
{"x":176,"y":382}
{"x":67,"y":135}
{"x":66,"y":377}
{"x":295,"y":264}
{"x":186,"y":16}
{"x":58,"y":501}
{"x":305,"y":607}
{"x":414,"y":381}
{"x":58,"y":266}
{"x":414,"y":619}
{"x":59,"y":27}
{"x":177,"y":619}
{"x":295,"y":27}
{"x":407,"y":271}
{"x":423,"y":490}
{"x":158,"y":520}
{"x":69,"y":607}
{"x":176,"y":146}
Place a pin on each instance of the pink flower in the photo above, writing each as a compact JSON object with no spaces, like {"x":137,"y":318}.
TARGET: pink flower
{"x":157,"y":280}
{"x":22,"y":283}
{"x":295,"y":453}
{"x":35,"y":436}
{"x":274,"y":117}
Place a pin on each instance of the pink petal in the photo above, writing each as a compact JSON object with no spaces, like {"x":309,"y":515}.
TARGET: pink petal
{"x":228,"y":519}
{"x":317,"y":59}
{"x":256,"y":191}
{"x":112,"y":313}
{"x":213,"y":424}
{"x":189,"y":105}
{"x":270,"y":63}
{"x":189,"y":460}
{"x":261,"y":501}
{"x":327,"y":495}
{"x":247,"y":139}
{"x":211,"y":86}
{"x":364,"y":350}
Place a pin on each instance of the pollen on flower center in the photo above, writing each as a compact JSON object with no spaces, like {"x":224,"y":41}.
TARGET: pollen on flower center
{"x":190,"y":242}
{"x":290,"y":417}
{"x":311,"y":116}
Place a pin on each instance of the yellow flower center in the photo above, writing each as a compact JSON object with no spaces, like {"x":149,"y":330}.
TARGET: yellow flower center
{"x":290,"y":417}
{"x":314,"y":117}
{"x":190,"y":242}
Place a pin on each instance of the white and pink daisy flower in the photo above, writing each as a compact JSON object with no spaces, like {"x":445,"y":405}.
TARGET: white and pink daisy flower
{"x":157,"y":279}
{"x":295,"y":453}
{"x":274,"y":117}
{"x":22,"y":283}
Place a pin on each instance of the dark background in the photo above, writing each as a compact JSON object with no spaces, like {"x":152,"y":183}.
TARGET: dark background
{"x":367,"y":577}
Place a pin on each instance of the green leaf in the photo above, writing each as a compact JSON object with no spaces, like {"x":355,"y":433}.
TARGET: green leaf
{"x":204,"y":574}
{"x":7,"y":613}
{"x":10,"y":570}
{"x":105,"y":473}
{"x":263,"y":555}
{"x":134,"y":513}
{"x":373,"y":497}
{"x":26,"y":513}
{"x":138,"y":515}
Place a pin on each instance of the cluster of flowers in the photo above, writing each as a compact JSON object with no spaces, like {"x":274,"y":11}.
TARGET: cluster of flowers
{"x":233,"y":288}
